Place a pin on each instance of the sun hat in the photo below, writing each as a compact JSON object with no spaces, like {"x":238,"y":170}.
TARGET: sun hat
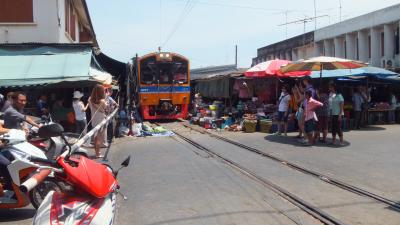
{"x":78,"y":94}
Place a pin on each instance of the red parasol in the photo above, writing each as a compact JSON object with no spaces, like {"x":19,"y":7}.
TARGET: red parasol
{"x":272,"y":68}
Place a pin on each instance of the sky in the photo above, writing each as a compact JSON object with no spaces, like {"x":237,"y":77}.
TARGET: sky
{"x":206,"y":31}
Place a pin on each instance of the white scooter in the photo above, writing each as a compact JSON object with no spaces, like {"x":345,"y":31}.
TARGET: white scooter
{"x":20,"y":186}
{"x":89,"y":192}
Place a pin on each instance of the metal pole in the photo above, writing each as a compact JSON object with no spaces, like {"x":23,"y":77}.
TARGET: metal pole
{"x":236,"y":56}
{"x":315,"y":16}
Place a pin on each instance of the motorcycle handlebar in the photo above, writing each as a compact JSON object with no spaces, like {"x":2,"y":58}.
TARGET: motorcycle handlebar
{"x":36,"y":179}
{"x":41,"y":160}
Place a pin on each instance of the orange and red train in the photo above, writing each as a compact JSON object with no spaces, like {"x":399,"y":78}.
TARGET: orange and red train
{"x":164,"y":85}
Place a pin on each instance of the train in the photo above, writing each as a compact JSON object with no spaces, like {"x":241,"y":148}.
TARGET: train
{"x":163,"y":86}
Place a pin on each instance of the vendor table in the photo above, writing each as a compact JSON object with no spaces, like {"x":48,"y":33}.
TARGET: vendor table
{"x":379,"y":116}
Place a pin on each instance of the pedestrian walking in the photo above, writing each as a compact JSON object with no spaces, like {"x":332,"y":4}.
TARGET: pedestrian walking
{"x":309,"y":87}
{"x":112,"y":105}
{"x":310,"y":117}
{"x":299,"y":96}
{"x":365,"y":93}
{"x":358,"y":101}
{"x":98,"y":107}
{"x":322,"y":115}
{"x":80,"y":115}
{"x":41,"y":106}
{"x":283,"y":111}
{"x":336,"y":104}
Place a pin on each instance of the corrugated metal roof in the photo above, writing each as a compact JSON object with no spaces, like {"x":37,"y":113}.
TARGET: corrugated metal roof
{"x":211,"y":71}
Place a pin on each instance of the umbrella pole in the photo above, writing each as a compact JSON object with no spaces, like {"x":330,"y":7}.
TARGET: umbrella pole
{"x":320,"y":75}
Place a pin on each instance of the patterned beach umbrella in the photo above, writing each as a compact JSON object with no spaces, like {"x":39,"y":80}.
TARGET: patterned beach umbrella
{"x":322,"y":63}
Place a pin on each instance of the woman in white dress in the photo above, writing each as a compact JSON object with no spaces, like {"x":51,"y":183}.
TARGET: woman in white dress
{"x":98,"y":108}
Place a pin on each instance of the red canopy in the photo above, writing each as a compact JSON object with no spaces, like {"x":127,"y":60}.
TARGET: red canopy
{"x":272,"y":68}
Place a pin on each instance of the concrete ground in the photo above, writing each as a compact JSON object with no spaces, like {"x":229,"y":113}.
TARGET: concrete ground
{"x":348,"y":207}
{"x":171,"y":182}
{"x":369,"y":160}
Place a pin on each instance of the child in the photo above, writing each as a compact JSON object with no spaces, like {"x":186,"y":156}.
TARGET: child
{"x":310,"y":117}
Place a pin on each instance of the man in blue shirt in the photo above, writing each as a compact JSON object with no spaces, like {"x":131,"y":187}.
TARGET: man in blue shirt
{"x":309,"y":87}
{"x":358,"y":100}
{"x":42,"y":107}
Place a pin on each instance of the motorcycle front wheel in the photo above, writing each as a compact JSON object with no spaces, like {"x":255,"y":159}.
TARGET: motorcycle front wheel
{"x":39,"y":193}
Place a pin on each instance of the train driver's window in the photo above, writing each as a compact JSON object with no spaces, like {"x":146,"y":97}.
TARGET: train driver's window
{"x":180,"y":77}
{"x":164,"y":77}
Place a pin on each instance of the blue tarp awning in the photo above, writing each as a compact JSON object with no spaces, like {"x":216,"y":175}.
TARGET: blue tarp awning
{"x":27,"y":65}
{"x":363,"y":71}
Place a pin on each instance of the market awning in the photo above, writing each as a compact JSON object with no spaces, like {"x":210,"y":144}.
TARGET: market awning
{"x":22,"y":65}
{"x":359,"y":72}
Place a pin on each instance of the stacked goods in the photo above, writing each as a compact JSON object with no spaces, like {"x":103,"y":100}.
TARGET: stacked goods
{"x":265,"y":126}
{"x":250,"y":126}
{"x":382,"y":105}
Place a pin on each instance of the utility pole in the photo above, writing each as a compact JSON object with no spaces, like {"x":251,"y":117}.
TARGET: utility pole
{"x":315,"y":16}
{"x":236,"y":56}
{"x":286,"y":12}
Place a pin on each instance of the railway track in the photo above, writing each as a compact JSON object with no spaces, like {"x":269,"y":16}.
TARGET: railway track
{"x":343,"y":185}
{"x":310,"y":209}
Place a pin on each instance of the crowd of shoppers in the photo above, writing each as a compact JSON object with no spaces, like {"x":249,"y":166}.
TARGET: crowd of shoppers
{"x":100,"y":103}
{"x":315,"y":111}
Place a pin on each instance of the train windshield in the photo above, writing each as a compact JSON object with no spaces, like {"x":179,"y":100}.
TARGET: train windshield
{"x":163,"y":72}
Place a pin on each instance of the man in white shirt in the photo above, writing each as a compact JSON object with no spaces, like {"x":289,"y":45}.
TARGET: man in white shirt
{"x":112,"y":104}
{"x":283,"y":111}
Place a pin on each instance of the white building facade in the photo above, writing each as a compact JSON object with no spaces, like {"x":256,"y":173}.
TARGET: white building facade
{"x":45,"y":21}
{"x":372,"y":38}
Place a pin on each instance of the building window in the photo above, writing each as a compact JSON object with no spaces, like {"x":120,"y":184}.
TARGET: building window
{"x":70,"y":20}
{"x":396,"y":41}
{"x":369,"y":46}
{"x":357,"y":50}
{"x":382,"y":44}
{"x":16,"y":11}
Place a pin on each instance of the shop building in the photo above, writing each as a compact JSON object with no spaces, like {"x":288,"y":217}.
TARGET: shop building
{"x":46,"y":21}
{"x":373,"y":38}
{"x":295,"y":48}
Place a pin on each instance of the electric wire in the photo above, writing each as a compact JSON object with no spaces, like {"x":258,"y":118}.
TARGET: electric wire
{"x":185,"y":12}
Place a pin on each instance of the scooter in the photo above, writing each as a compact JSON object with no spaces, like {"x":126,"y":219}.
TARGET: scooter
{"x":21,"y":185}
{"x":86,"y":197}
{"x":53,"y":146}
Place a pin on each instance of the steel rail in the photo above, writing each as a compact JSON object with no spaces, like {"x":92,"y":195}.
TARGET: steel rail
{"x":305,"y":206}
{"x":392,"y":204}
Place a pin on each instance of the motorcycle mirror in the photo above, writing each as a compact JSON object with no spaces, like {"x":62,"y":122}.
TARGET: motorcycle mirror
{"x":125,"y":163}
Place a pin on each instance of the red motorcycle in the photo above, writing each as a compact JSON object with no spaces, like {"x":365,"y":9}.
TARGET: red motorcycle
{"x":88,"y":190}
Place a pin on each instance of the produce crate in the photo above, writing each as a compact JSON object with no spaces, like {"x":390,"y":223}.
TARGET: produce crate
{"x":250,"y":126}
{"x":265,"y":126}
